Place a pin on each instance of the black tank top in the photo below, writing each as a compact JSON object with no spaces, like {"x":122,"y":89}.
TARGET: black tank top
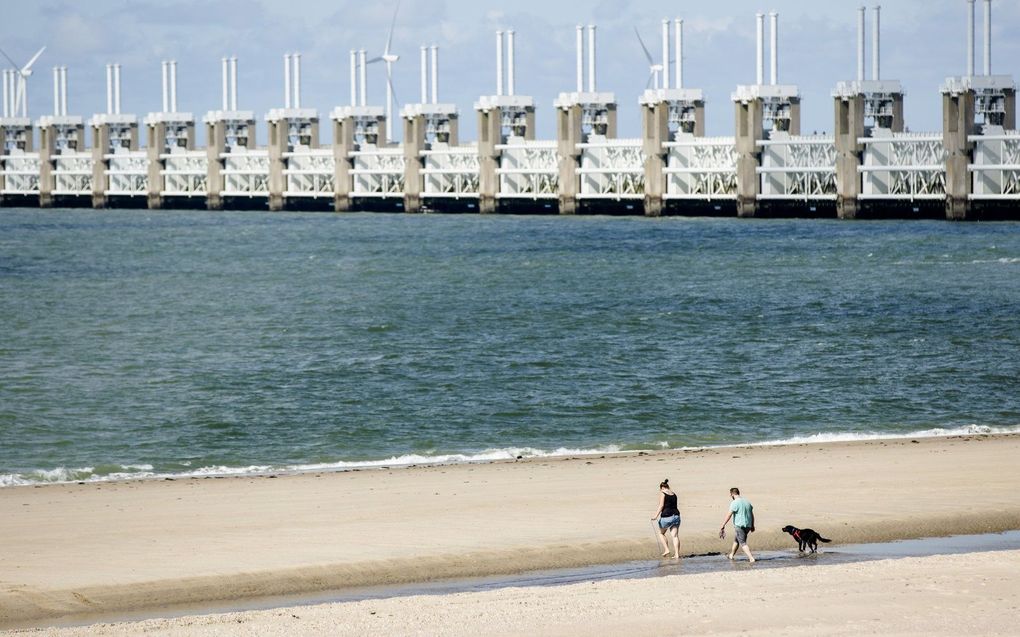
{"x":669,"y":506}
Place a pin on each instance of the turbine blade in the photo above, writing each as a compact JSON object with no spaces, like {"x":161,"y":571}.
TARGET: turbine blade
{"x":35,"y":57}
{"x":648,"y":84}
{"x":393,"y":25}
{"x":13,"y":63}
{"x":374,"y":60}
{"x":644,"y":48}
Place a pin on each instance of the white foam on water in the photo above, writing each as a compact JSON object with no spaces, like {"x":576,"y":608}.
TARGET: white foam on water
{"x":63,"y":475}
{"x":938,"y":432}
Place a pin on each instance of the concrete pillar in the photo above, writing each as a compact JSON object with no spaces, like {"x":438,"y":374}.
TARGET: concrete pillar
{"x":898,"y":123}
{"x":490,"y":134}
{"x":343,"y":144}
{"x":453,"y":139}
{"x":100,"y":146}
{"x":748,"y":131}
{"x":216,"y":144}
{"x":699,"y":119}
{"x":216,"y":141}
{"x":655,"y":129}
{"x":958,"y":121}
{"x":849,"y":152}
{"x":414,"y":143}
{"x":49,"y":133}
{"x":156,"y":147}
{"x":276,"y":148}
{"x":1009,"y":122}
{"x":568,"y":136}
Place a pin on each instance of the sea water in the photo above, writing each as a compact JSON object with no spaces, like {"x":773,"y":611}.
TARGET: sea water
{"x":139,"y":343}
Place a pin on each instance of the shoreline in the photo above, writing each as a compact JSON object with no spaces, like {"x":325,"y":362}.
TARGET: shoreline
{"x":411,"y":461}
{"x":143,"y":544}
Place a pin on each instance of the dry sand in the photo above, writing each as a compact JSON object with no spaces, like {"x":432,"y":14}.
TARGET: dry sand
{"x":75,"y":550}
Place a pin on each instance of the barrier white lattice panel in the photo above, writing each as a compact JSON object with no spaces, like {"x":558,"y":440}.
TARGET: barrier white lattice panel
{"x":309,"y":173}
{"x":528,"y":170}
{"x":612,"y":169}
{"x":904,"y":166}
{"x":996,"y":167}
{"x":798,"y":167}
{"x":246,"y":174}
{"x":702,"y":168}
{"x":127,"y":173}
{"x":72,"y":174}
{"x":185,"y":174}
{"x":378,"y":172}
{"x":20,"y":173}
{"x":450,"y":171}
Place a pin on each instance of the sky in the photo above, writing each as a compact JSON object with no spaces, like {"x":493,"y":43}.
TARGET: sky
{"x":923,"y":42}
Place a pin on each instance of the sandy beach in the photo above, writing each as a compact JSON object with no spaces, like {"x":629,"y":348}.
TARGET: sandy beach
{"x":78,"y":550}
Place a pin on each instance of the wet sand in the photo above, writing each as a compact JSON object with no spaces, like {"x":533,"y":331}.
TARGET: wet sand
{"x":74,"y":550}
{"x":969,"y":594}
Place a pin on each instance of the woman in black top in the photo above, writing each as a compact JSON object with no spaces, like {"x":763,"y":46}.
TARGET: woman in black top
{"x":668,"y":516}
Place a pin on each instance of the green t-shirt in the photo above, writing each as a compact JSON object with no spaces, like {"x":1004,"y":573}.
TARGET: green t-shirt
{"x":742,"y":513}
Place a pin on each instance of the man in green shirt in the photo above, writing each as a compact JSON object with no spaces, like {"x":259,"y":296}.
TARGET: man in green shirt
{"x":743,"y":523}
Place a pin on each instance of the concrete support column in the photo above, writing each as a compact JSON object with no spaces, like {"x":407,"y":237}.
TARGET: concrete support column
{"x":490,"y":134}
{"x":276,"y":148}
{"x":343,"y":144}
{"x":1009,"y":122}
{"x":748,"y":131}
{"x":898,"y":123}
{"x":568,"y":136}
{"x":795,"y":116}
{"x":216,"y":142}
{"x":414,"y":143}
{"x":958,"y":121}
{"x":100,"y":147}
{"x":655,"y":129}
{"x":156,"y":147}
{"x":849,"y":152}
{"x":47,"y":148}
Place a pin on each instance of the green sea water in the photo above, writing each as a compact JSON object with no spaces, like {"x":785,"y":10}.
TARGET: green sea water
{"x":138,"y":343}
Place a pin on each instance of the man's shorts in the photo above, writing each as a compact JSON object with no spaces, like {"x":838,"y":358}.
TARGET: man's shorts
{"x":741,"y":532}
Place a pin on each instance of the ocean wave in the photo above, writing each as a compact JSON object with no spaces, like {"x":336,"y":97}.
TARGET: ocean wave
{"x":64,"y":475}
{"x":111,"y":473}
{"x":938,"y":432}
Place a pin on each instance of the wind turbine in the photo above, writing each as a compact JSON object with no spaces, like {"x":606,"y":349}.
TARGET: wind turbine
{"x":389,"y":58}
{"x":21,"y":89}
{"x":655,"y":70}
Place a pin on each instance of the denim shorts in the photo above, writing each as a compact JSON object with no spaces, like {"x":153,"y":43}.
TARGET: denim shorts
{"x":670,"y":522}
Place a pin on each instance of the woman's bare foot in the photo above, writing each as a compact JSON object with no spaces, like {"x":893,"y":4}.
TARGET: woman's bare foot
{"x":666,"y":554}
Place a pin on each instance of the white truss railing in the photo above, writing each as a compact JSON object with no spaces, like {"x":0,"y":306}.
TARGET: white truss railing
{"x":20,"y":173}
{"x":798,"y":167}
{"x":703,"y":168}
{"x":996,"y":166}
{"x":450,"y":171}
{"x":528,"y":170}
{"x":612,"y":169}
{"x":127,"y":173}
{"x":378,"y":172}
{"x":246,"y":173}
{"x":309,"y":172}
{"x":904,"y":166}
{"x":185,"y":173}
{"x":72,"y":174}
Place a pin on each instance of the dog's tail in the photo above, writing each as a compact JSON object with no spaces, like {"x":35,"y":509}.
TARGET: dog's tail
{"x":822,"y":539}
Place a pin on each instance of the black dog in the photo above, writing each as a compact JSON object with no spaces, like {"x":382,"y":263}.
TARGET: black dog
{"x":805,"y":538}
